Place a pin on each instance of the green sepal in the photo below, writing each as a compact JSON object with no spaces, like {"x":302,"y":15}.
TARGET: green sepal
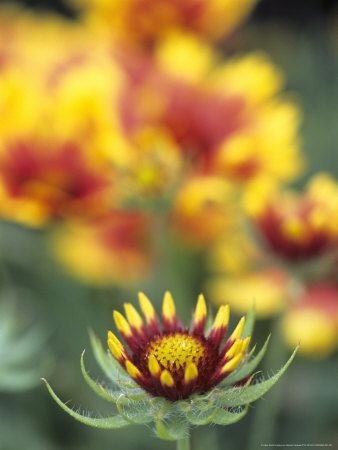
{"x":94,"y":385}
{"x":254,"y":392}
{"x":226,"y":417}
{"x":107,"y":394}
{"x":196,"y":416}
{"x":107,"y":423}
{"x":109,"y":365}
{"x":136,"y":413}
{"x":173,"y":427}
{"x":249,"y":322}
{"x":248,"y":367}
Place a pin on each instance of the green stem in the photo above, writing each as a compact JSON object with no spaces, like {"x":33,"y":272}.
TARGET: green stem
{"x":263,"y":425}
{"x":183,"y":444}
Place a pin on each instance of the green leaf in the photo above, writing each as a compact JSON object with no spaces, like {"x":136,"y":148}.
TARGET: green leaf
{"x":254,"y":392}
{"x":225,"y":417}
{"x":249,"y":322}
{"x":174,"y":427}
{"x":106,"y":422}
{"x":247,"y":368}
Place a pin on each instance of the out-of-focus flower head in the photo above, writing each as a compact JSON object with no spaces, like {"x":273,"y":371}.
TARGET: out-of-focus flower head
{"x":154,"y":166}
{"x":235,"y":252}
{"x":146,"y":21}
{"x":61,"y":147}
{"x":49,"y":181}
{"x":203,"y":210}
{"x":313,"y":320}
{"x":268,"y":289}
{"x":297,"y":227}
{"x":225,"y":118}
{"x":115,"y":248}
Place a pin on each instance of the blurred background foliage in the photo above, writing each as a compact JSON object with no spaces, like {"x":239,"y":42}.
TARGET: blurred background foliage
{"x":43,"y":332}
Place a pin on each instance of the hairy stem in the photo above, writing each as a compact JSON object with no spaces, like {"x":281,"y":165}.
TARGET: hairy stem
{"x":183,"y":444}
{"x":263,"y":426}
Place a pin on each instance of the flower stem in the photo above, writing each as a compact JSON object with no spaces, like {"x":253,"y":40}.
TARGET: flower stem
{"x":183,"y":444}
{"x":263,"y":426}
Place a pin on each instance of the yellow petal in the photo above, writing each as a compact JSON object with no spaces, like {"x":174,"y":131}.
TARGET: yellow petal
{"x":133,"y":370}
{"x":238,"y":330}
{"x":222,"y":317}
{"x":234,"y":349}
{"x":245,"y":344}
{"x":133,"y":316}
{"x":190,"y":373}
{"x":146,"y":307}
{"x":116,"y":347}
{"x":166,"y":379}
{"x":168,"y":309}
{"x":153,"y":365}
{"x":112,"y":337}
{"x":122,"y":324}
{"x":232,"y":364}
{"x":201,"y":309}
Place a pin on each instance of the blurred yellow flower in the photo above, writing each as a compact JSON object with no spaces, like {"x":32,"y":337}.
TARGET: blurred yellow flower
{"x":146,"y":21}
{"x":235,"y":252}
{"x":203,"y":210}
{"x":313,"y":320}
{"x":112,"y":249}
{"x":155,"y":165}
{"x":268,"y":290}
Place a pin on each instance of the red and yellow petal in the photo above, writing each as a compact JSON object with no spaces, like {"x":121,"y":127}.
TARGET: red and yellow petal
{"x":126,"y":330}
{"x":200,"y":315}
{"x":219,"y":326}
{"x":169,"y":313}
{"x":135,"y":321}
{"x":117,"y":348}
{"x":236,"y":334}
{"x":149,"y":313}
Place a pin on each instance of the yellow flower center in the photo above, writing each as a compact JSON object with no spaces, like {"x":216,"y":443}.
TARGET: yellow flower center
{"x":175,"y":351}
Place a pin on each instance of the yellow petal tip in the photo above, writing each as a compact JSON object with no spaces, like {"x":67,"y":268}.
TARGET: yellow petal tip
{"x":122,"y":324}
{"x":166,"y":379}
{"x":132,"y":370}
{"x":168,"y":309}
{"x":154,"y":367}
{"x":191,"y":373}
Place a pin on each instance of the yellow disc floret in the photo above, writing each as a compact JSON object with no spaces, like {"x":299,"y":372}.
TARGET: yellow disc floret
{"x":175,"y":351}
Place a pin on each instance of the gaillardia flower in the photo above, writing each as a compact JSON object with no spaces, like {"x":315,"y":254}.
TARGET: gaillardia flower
{"x":175,"y":376}
{"x":174,"y":362}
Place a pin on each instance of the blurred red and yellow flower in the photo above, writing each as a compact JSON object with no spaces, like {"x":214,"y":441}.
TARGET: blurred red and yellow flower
{"x":53,"y":180}
{"x":146,"y":21}
{"x":115,"y":248}
{"x":225,"y":118}
{"x":297,"y":227}
{"x":313,"y":320}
